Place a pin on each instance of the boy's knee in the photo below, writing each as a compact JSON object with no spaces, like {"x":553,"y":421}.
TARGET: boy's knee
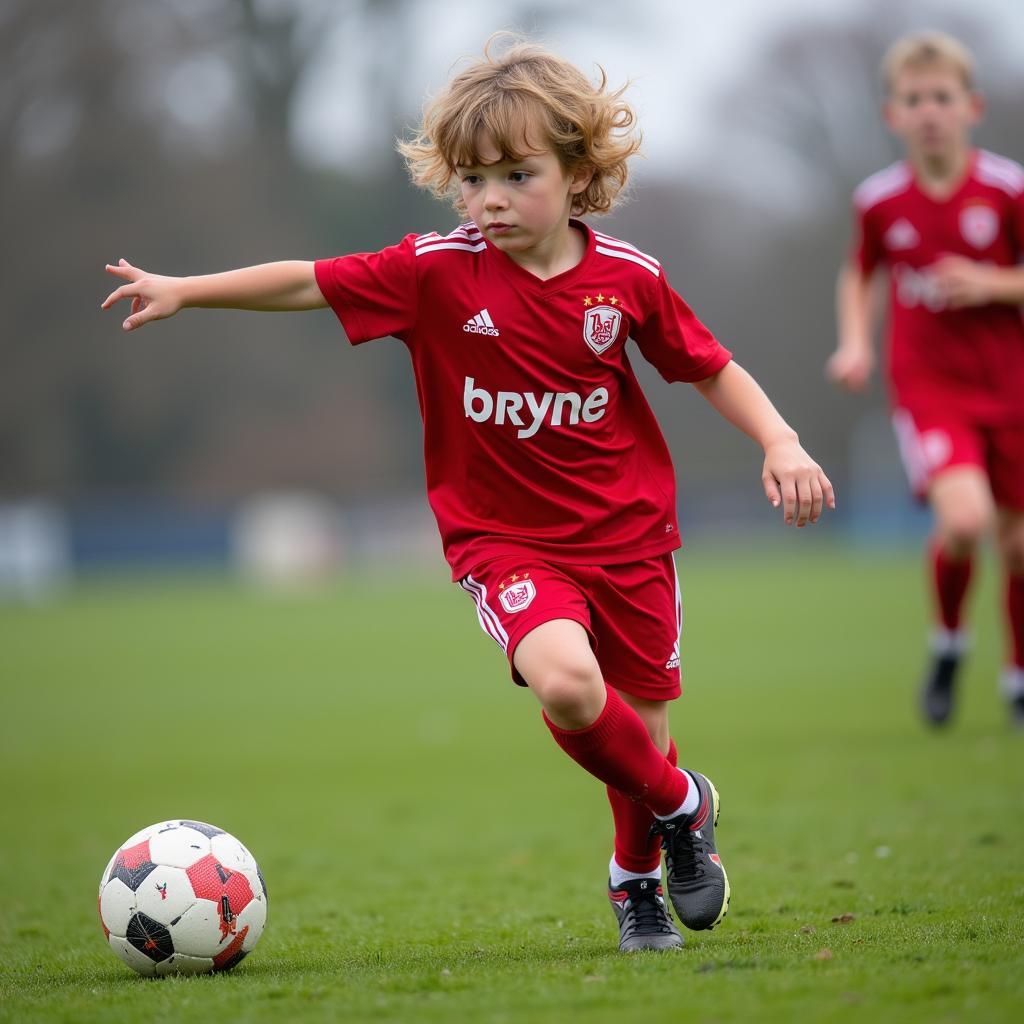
{"x":961,"y":532}
{"x":570,"y":689}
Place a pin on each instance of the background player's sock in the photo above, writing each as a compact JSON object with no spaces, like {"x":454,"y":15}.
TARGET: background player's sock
{"x":691,"y":801}
{"x":950,"y":579}
{"x":617,"y":875}
{"x":948,"y":643}
{"x":1015,"y":618}
{"x":618,"y":750}
{"x":636,"y":850}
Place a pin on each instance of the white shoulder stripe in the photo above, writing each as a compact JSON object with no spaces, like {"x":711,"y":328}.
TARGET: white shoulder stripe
{"x":460,"y":234}
{"x":621,"y":254}
{"x":1000,"y":172}
{"x":881,"y":185}
{"x":444,"y":244}
{"x":619,"y":244}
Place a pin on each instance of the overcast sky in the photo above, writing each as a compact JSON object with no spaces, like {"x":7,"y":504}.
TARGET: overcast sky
{"x":678,"y":54}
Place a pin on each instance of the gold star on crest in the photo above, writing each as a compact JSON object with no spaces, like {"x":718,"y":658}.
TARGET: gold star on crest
{"x":600,"y":297}
{"x":588,"y":301}
{"x":613,"y":301}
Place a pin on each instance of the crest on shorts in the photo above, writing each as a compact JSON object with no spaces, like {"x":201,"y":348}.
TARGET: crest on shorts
{"x":979,"y":224}
{"x":516,"y":592}
{"x":601,"y":322}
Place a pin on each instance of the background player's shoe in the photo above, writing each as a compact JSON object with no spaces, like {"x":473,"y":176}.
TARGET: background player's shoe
{"x":1017,"y":712}
{"x":939,"y":688}
{"x":697,"y":883}
{"x":644,"y":921}
{"x":1011,"y":685}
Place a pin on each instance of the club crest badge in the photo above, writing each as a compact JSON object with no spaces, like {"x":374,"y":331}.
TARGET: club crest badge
{"x":979,"y":224}
{"x":516,"y":592}
{"x":601,"y":322}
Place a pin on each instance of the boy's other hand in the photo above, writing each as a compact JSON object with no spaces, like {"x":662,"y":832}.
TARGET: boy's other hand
{"x":153,"y":297}
{"x":963,"y":282}
{"x":851,"y":368}
{"x":794,"y":480}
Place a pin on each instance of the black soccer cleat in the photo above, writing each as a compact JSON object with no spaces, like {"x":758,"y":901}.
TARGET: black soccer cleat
{"x":1016,"y":706}
{"x":697,"y":883}
{"x":644,"y":921}
{"x":939,"y":688}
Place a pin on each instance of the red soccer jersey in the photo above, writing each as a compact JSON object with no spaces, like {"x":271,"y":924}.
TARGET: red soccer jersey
{"x":969,"y":359}
{"x":537,"y":436}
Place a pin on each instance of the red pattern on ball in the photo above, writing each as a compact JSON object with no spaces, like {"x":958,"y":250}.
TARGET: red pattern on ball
{"x":212,"y":881}
{"x":226,"y":955}
{"x":132,"y":856}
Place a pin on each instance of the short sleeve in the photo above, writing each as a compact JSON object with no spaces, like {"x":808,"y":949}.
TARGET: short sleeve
{"x":675,"y":342}
{"x":373,"y":294}
{"x":866,"y":251}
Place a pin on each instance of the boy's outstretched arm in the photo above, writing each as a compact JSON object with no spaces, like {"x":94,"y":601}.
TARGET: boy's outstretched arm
{"x":854,"y":358}
{"x":790,"y":476}
{"x":270,"y":287}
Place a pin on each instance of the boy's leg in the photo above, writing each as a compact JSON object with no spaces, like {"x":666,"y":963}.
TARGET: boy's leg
{"x":962,"y":502}
{"x":637,"y":851}
{"x":611,"y":741}
{"x":1011,"y":549}
{"x":636,"y":616}
{"x":590,"y":721}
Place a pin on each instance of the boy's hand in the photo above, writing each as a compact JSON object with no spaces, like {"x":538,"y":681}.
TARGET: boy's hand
{"x":794,"y":480}
{"x":851,"y":367}
{"x":153,"y":297}
{"x":963,"y":282}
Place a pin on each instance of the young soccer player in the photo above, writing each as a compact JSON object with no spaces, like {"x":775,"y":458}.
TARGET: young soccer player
{"x":947,"y":224}
{"x":549,"y":478}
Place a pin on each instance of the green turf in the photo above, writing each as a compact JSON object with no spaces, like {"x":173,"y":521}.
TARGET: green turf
{"x":432,"y":856}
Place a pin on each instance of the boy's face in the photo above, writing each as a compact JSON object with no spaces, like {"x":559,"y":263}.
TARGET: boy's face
{"x":932,"y":111}
{"x":519,"y":204}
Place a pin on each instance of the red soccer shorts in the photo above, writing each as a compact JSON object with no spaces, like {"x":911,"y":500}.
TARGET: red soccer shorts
{"x":933,"y":441}
{"x":632,"y":612}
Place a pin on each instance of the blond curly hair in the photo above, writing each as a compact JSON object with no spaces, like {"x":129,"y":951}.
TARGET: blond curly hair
{"x":524,"y":98}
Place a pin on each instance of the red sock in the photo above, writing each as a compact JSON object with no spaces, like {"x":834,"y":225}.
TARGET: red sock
{"x":950,"y":579}
{"x":635,"y":849}
{"x":618,"y":750}
{"x":1015,"y":613}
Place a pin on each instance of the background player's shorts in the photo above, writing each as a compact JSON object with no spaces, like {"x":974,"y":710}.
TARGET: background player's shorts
{"x":632,"y":612}
{"x":933,"y":441}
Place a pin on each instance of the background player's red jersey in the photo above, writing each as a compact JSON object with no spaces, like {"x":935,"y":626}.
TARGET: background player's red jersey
{"x":537,"y":435}
{"x":971,"y":359}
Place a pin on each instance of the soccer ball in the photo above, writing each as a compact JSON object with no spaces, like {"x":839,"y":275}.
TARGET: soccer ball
{"x":182,"y":897}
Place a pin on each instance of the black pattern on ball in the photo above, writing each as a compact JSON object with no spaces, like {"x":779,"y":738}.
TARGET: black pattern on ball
{"x":132,"y":877}
{"x":149,"y":937}
{"x":200,"y":826}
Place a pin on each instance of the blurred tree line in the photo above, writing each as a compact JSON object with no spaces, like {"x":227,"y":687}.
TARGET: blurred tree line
{"x":162,"y":132}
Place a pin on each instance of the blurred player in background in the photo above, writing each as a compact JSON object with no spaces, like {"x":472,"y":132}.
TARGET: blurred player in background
{"x":947,"y":225}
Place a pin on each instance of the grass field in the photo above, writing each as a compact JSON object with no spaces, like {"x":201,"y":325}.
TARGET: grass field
{"x":432,"y":856}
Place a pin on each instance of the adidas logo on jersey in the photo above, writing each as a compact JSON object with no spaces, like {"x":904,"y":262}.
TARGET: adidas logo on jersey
{"x":902,"y":235}
{"x":481,"y":324}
